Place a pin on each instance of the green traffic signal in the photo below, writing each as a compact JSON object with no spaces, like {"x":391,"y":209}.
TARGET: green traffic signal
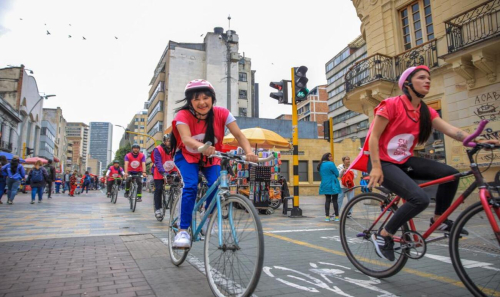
{"x":302,"y":94}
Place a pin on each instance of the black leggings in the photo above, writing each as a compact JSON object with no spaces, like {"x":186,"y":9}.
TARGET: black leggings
{"x":399,"y":179}
{"x":138,"y":179}
{"x":332,"y":199}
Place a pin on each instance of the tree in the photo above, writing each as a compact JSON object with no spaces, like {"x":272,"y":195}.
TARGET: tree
{"x":120,"y":154}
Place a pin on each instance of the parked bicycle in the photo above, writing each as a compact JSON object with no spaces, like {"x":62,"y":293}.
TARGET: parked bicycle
{"x":474,"y":240}
{"x":234,"y":241}
{"x":171,"y":192}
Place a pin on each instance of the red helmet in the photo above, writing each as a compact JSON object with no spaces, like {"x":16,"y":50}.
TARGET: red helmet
{"x":199,"y":84}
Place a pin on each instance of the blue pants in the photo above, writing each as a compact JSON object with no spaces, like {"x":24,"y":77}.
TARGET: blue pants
{"x":66,"y":186}
{"x":343,"y":193}
{"x":86,"y":186}
{"x":189,"y":173}
{"x":35,"y":190}
{"x":13,"y":185}
{"x":3,"y":183}
{"x":58,"y":186}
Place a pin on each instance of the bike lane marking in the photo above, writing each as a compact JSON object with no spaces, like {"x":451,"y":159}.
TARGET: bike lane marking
{"x":339,"y":253}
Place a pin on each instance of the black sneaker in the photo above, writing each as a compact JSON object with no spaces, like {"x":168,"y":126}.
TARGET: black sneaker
{"x":126,"y":195}
{"x":447,"y":225}
{"x":384,"y":246}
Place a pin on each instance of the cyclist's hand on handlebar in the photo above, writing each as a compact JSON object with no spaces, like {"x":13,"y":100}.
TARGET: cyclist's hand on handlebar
{"x":491,"y":141}
{"x":144,"y":174}
{"x":209,"y":151}
{"x":251,"y":157}
{"x":376,"y":177}
{"x":125,"y":175}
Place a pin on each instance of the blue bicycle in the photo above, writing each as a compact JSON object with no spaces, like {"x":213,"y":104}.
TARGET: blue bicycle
{"x":234,"y":241}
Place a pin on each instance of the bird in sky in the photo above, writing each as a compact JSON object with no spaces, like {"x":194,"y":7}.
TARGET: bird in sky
{"x":20,"y":19}
{"x":202,"y":34}
{"x":48,"y":33}
{"x":116,"y":37}
{"x":69,"y":36}
{"x":84,"y":38}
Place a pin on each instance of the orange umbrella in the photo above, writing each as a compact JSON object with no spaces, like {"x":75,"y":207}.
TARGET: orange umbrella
{"x":33,"y":160}
{"x":259,"y":137}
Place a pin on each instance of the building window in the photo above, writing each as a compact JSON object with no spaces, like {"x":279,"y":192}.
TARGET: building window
{"x":303,"y":172}
{"x":335,"y":105}
{"x":336,"y":91}
{"x":316,"y":175}
{"x":242,"y":112}
{"x":243,"y":94}
{"x":243,"y":76}
{"x":417,"y":25}
{"x":284,"y":169}
{"x":344,"y":116}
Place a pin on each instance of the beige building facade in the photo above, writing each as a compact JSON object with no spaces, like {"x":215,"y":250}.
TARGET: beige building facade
{"x":78,"y":135}
{"x":458,"y":40}
{"x":95,"y":166}
{"x":56,"y":118}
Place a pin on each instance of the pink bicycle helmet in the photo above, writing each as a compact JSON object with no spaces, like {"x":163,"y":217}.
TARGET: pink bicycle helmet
{"x":407,"y":72}
{"x":199,"y":84}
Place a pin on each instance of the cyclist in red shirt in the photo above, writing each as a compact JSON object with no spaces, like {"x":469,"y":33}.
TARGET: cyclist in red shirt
{"x":135,"y":166}
{"x":163,"y":165}
{"x":399,"y":124}
{"x":113,"y":172}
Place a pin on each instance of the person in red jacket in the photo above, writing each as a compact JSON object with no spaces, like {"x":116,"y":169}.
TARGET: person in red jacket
{"x":72,"y":184}
{"x":135,"y":166}
{"x":114,"y":172}
{"x":163,"y":165}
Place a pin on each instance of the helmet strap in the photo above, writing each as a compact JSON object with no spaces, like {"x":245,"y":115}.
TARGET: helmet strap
{"x":414,"y":91}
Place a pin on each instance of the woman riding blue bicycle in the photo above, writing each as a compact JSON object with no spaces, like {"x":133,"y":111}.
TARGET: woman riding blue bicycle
{"x":198,"y":121}
{"x":399,"y":124}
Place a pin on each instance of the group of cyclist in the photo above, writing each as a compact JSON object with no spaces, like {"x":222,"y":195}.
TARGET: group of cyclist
{"x":399,"y":124}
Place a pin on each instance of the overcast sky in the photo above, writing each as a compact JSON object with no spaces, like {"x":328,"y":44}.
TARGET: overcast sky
{"x":107,"y":79}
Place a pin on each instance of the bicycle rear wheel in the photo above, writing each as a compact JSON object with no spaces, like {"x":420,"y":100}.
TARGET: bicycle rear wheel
{"x":355,"y":236}
{"x":234,"y":268}
{"x":177,"y":256}
{"x":476,"y":256}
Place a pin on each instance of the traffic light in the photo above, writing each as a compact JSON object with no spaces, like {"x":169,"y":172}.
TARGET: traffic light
{"x":127,"y":136}
{"x":282,"y":94}
{"x":326,"y":130}
{"x":29,"y":151}
{"x":300,"y":80}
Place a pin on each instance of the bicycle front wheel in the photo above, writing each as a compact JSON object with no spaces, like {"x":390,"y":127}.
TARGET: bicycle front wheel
{"x":176,"y":255}
{"x":133,"y":198}
{"x":355,"y":235}
{"x":234,"y":268}
{"x":114,"y":194}
{"x":476,"y":256}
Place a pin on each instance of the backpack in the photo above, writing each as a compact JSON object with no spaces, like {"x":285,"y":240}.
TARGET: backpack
{"x":37,"y":175}
{"x":87,"y":178}
{"x":348,"y":179}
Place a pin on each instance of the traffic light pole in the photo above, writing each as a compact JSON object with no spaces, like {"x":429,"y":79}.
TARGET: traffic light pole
{"x":330,"y":120}
{"x":296,"y":211}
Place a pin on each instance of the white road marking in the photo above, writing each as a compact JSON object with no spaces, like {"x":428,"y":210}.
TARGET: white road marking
{"x":466,"y":263}
{"x":301,"y":230}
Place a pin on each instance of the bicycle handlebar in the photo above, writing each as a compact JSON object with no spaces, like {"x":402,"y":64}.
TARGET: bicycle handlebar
{"x":221,"y":155}
{"x":468,"y":141}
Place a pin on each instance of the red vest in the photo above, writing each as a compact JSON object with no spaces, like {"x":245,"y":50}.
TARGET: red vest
{"x":114,"y":173}
{"x":166,"y":160}
{"x":135,"y":163}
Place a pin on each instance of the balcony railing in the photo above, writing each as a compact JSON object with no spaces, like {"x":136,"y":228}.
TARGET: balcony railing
{"x":425,"y":54}
{"x":375,"y":67}
{"x":380,"y":67}
{"x":476,"y":24}
{"x":6,"y":146}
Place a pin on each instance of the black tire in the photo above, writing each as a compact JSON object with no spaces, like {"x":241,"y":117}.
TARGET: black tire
{"x":362,"y":217}
{"x":246,"y":254}
{"x":480,"y":246}
{"x":164,"y":201}
{"x":275,"y":203}
{"x":133,"y":198}
{"x":177,"y":256}
{"x":114,"y":194}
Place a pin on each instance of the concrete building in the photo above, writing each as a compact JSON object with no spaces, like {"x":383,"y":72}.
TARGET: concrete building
{"x":101,"y":141}
{"x":346,"y":123}
{"x":47,"y":141}
{"x":95,"y":166}
{"x":78,"y":134}
{"x":314,"y":108}
{"x":138,"y":125}
{"x":458,"y":40}
{"x":21,"y":111}
{"x":56,"y":118}
{"x":210,"y":60}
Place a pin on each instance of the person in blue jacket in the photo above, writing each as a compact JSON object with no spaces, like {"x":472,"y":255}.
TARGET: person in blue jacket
{"x":330,"y":185}
{"x":15,"y":173}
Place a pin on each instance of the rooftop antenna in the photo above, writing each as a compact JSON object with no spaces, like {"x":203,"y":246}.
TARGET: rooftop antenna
{"x":229,"y":19}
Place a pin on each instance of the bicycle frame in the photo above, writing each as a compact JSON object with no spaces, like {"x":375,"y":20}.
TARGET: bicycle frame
{"x":484,"y":196}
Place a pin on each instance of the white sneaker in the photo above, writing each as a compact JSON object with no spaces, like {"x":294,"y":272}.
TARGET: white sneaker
{"x":205,"y":226}
{"x":182,"y":240}
{"x":158,"y":213}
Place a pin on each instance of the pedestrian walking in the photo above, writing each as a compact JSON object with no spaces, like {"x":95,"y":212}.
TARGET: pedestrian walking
{"x":58,"y":183}
{"x":66,"y":178}
{"x":330,"y":186}
{"x":72,"y":184}
{"x":15,"y":173}
{"x":51,"y":171}
{"x":3,"y":178}
{"x":342,"y":168}
{"x":37,"y":179}
{"x":86,"y":182}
